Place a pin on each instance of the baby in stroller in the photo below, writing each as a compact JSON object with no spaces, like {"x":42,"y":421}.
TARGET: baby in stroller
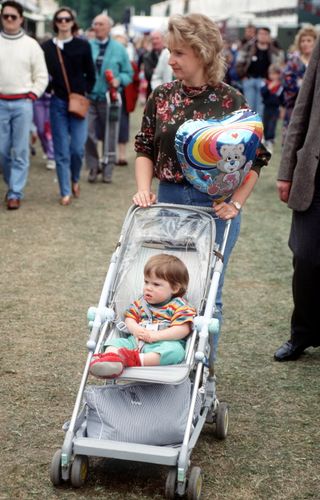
{"x":151,"y":414}
{"x":158,"y":322}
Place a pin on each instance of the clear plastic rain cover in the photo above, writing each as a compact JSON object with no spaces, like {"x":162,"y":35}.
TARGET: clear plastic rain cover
{"x":187,"y":232}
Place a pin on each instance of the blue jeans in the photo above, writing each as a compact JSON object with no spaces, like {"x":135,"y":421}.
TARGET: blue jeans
{"x":186,"y":194}
{"x":69,"y":135}
{"x":270,"y":120}
{"x":15,"y":125}
{"x":252,"y":92}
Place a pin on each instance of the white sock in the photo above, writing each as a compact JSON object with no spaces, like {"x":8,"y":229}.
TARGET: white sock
{"x":141,"y":356}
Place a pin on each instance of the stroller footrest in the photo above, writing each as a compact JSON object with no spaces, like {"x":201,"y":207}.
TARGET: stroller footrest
{"x":170,"y":374}
{"x":164,"y":455}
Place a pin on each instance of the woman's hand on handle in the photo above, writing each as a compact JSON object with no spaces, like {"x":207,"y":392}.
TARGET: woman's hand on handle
{"x":225,"y":211}
{"x":144,"y":198}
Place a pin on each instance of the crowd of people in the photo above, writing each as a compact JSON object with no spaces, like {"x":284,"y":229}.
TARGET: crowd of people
{"x":35,"y":97}
{"x":179,"y":77}
{"x":74,"y":63}
{"x":270,"y":78}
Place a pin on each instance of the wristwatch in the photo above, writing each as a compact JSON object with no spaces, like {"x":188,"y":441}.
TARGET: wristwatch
{"x":236,"y":204}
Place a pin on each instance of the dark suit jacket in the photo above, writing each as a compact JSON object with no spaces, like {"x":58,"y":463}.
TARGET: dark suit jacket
{"x":301,"y":152}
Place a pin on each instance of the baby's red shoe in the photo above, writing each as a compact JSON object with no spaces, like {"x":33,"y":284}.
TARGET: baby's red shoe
{"x":130,"y":357}
{"x":112,"y":364}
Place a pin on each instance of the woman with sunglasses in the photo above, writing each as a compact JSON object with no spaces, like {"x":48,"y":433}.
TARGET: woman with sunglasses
{"x":69,"y":132}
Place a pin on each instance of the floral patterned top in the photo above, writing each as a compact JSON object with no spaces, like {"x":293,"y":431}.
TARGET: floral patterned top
{"x":168,"y":107}
{"x":292,"y":76}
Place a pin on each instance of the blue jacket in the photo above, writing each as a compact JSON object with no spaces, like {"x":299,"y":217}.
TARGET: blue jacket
{"x":116,"y":59}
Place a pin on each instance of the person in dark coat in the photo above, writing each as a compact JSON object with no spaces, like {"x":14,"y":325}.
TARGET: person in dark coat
{"x":299,"y":186}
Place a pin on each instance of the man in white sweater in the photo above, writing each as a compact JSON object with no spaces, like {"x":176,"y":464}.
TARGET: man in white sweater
{"x":23,"y":78}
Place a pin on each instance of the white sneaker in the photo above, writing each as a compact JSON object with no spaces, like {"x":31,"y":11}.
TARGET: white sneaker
{"x":51,"y":165}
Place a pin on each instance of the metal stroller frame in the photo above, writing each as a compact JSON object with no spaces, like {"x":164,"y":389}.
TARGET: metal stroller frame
{"x":111,"y":134}
{"x":71,"y":462}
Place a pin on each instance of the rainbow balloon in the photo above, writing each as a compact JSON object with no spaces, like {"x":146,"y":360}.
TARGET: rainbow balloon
{"x":216,"y":155}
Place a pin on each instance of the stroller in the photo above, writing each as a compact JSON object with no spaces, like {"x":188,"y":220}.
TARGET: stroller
{"x":111,"y":134}
{"x":104,"y":419}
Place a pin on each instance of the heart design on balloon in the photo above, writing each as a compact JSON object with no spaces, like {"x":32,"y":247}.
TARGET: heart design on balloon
{"x":216,"y":155}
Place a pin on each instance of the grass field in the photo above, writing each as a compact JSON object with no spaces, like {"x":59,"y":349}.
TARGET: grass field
{"x":52,"y":267}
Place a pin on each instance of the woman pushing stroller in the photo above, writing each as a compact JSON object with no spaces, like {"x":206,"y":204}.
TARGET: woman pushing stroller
{"x":198,"y":93}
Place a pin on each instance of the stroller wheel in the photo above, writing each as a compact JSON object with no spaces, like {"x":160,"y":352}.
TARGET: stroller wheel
{"x":79,"y":471}
{"x":171,"y":483}
{"x":194,"y":484}
{"x":55,"y":469}
{"x":222,"y":421}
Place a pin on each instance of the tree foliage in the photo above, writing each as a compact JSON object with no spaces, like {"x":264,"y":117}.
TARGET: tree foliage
{"x":87,"y":9}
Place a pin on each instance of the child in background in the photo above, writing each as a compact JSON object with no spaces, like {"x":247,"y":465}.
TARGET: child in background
{"x":159,"y":320}
{"x":41,"y":119}
{"x":272,"y":96}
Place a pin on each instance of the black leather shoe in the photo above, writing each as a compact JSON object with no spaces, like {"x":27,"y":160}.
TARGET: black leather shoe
{"x":289,"y":351}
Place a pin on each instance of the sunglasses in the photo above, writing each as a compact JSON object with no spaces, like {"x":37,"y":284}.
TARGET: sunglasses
{"x":14,"y":17}
{"x":65,"y":19}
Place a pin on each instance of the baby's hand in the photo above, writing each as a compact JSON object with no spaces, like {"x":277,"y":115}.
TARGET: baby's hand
{"x":148,"y":336}
{"x":138,"y":330}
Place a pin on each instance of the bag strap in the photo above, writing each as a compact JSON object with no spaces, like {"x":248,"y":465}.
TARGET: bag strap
{"x":146,"y":309}
{"x":65,"y":76}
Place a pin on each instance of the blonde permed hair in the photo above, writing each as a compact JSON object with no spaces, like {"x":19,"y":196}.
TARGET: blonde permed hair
{"x":308,"y":30}
{"x":204,"y":37}
{"x":169,"y":268}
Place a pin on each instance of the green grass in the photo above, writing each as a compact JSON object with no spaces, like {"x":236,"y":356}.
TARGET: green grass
{"x":52,"y":267}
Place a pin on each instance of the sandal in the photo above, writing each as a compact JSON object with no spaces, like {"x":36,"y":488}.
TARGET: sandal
{"x":76,"y":189}
{"x":65,"y":200}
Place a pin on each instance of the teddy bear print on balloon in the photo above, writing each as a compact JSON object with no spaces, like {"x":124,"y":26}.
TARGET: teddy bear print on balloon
{"x":216,"y":155}
{"x":232,"y":161}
